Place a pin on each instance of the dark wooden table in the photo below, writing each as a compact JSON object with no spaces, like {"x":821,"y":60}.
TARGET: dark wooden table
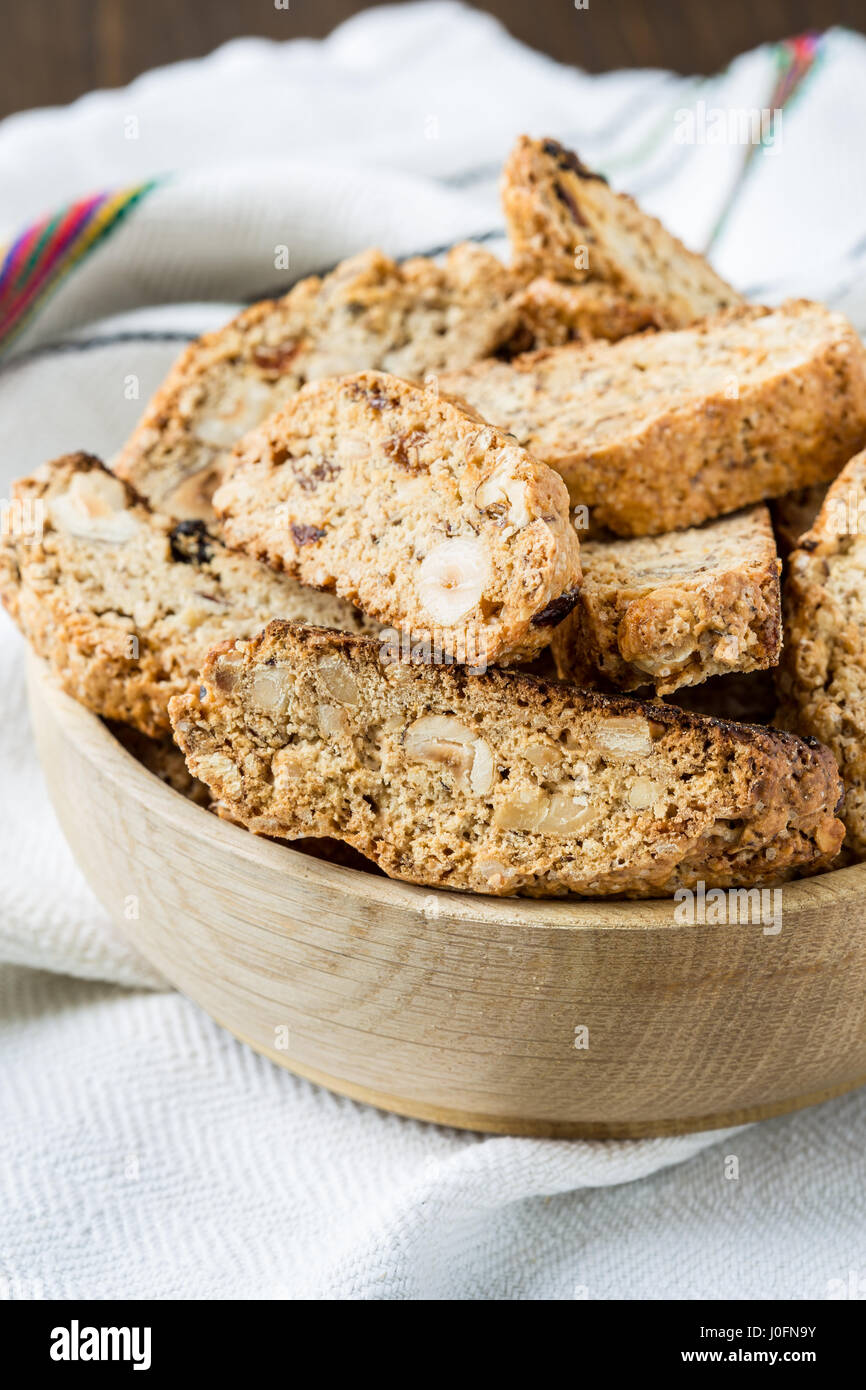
{"x":53,"y":50}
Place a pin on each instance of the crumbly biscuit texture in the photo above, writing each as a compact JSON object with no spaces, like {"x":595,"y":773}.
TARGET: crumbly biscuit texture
{"x":822,"y":678}
{"x":498,"y":783}
{"x":672,"y":610}
{"x":565,"y":222}
{"x":432,"y":522}
{"x":665,"y":430}
{"x":414,"y":319}
{"x":552,"y":313}
{"x":124,"y":604}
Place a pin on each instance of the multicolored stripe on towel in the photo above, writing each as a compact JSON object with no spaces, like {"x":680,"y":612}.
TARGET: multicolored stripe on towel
{"x":39,"y":259}
{"x":795,"y":60}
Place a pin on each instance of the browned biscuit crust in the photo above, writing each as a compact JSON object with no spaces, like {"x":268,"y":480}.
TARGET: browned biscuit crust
{"x":666,"y":430}
{"x":552,"y":313}
{"x":498,"y":783}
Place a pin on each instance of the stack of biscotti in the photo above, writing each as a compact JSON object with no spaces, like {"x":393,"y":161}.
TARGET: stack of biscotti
{"x":488,"y":780}
{"x":355,"y":524}
{"x":414,"y":320}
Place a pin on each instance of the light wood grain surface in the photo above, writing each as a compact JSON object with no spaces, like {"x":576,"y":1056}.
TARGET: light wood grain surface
{"x":463,"y":1009}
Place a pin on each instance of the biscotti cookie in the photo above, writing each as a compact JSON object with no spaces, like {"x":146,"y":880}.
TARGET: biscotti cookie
{"x":665,"y":430}
{"x":412,"y":319}
{"x":498,"y":783}
{"x":124,"y":604}
{"x":551,"y":313}
{"x":672,"y":610}
{"x":822,"y":678}
{"x":427,"y":519}
{"x":564,"y":221}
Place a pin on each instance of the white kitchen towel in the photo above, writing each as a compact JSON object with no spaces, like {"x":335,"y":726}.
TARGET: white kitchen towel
{"x":144,"y":1152}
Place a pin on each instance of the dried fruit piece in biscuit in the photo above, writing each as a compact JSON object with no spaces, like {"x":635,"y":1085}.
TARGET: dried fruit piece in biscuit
{"x":428,"y":520}
{"x":499,"y":783}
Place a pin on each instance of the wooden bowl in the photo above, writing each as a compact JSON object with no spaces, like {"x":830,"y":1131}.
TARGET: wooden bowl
{"x":458,"y":1009}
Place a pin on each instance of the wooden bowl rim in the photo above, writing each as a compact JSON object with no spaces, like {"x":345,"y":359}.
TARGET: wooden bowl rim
{"x":193,"y":822}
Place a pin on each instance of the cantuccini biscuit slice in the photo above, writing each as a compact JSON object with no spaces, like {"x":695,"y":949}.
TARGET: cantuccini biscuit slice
{"x":498,"y":783}
{"x":666,"y":430}
{"x":413,"y":319}
{"x":429,"y":520}
{"x":672,"y":610}
{"x":564,"y":221}
{"x":124,"y":604}
{"x":822,"y":677}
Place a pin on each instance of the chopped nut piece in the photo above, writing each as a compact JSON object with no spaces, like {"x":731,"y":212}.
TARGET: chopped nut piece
{"x":532,"y":809}
{"x":481,"y":774}
{"x":525,"y":809}
{"x":625,"y":736}
{"x":338,"y":682}
{"x":94,"y":508}
{"x":220,"y":772}
{"x":506,"y":494}
{"x":439,"y":738}
{"x":452,"y":579}
{"x":567,"y":814}
{"x":496,"y":874}
{"x":332,"y":721}
{"x":542,"y":755}
{"x":269,"y":691}
{"x":642,"y":793}
{"x":727,"y":649}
